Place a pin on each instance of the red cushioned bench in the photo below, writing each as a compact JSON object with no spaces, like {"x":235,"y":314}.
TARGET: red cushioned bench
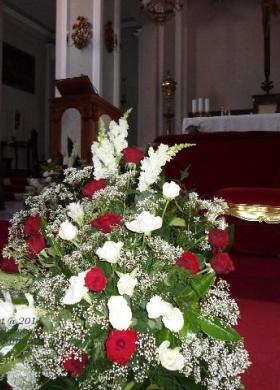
{"x":243,"y":168}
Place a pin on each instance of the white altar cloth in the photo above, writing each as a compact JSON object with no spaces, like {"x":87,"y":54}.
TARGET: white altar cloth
{"x":255,"y":122}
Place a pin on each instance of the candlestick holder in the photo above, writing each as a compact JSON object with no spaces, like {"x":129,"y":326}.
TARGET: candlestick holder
{"x":168,"y":89}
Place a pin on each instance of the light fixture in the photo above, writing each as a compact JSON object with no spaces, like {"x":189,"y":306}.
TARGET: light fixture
{"x":161,"y":10}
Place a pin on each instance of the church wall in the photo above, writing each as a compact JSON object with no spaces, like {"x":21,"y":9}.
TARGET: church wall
{"x":31,"y":106}
{"x":147,"y":79}
{"x":225,"y":52}
{"x":79,"y":61}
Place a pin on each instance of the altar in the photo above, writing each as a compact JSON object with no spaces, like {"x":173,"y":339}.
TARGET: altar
{"x":251,"y":122}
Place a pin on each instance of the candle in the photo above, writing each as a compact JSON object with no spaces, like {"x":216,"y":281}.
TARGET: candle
{"x":200,"y":105}
{"x":194,"y":106}
{"x":207,"y":105}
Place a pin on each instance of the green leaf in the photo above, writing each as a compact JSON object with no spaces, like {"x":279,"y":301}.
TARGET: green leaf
{"x":60,"y":384}
{"x":167,"y":335}
{"x":5,"y":367}
{"x":171,"y":380}
{"x":218,"y":331}
{"x":199,"y":285}
{"x":176,"y":221}
{"x":190,"y":322}
{"x":17,"y":341}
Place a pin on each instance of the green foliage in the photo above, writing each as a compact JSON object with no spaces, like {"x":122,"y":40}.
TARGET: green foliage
{"x":218,"y":331}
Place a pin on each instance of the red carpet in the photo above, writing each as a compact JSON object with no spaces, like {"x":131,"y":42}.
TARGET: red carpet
{"x":256,"y":286}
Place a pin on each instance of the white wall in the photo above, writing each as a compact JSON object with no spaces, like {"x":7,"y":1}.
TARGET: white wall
{"x":225,"y":52}
{"x":31,"y":106}
{"x":222,"y":58}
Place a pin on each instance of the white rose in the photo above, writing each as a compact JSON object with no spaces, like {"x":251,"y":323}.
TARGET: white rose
{"x":157,"y":307}
{"x":26,"y":315}
{"x":77,"y":289}
{"x":144,"y":223}
{"x":76,"y":212}
{"x":120,"y":314}
{"x":126,"y":284}
{"x":7,"y":312}
{"x":173,"y":319}
{"x":67,"y":231}
{"x":110,"y":251}
{"x":171,"y":190}
{"x":171,"y":359}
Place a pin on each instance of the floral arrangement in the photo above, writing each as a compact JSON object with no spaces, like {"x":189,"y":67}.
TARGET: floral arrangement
{"x":110,"y":281}
{"x":81,"y":32}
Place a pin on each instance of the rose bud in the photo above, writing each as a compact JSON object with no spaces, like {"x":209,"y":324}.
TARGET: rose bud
{"x":133,"y":155}
{"x":106,"y":222}
{"x":92,"y":187}
{"x":188,"y":261}
{"x":222,"y":263}
{"x":32,"y":225}
{"x":218,"y":239}
{"x":121,"y":345}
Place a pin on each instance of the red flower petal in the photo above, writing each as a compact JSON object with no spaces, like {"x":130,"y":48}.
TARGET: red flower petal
{"x":222,"y":263}
{"x":74,"y":361}
{"x":35,"y":244}
{"x":132,"y":154}
{"x":95,"y":280}
{"x":188,"y":261}
{"x":218,"y":239}
{"x":92,"y":187}
{"x":106,"y":222}
{"x":32,"y":225}
{"x":121,"y":345}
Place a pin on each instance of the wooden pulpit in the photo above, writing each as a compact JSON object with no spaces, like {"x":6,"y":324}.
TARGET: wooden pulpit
{"x":79,"y":93}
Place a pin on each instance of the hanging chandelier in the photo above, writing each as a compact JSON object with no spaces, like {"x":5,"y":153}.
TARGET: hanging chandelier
{"x":161,"y":10}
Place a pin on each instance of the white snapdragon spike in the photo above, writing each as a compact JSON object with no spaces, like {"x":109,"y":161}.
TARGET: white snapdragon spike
{"x":103,"y":158}
{"x":157,"y":307}
{"x":151,"y":166}
{"x":118,"y":134}
{"x":126,"y":284}
{"x":171,"y":190}
{"x":173,"y":319}
{"x":22,"y":377}
{"x":76,"y":212}
{"x":26,"y":316}
{"x":67,"y":231}
{"x":77,"y":289}
{"x":144,"y":223}
{"x":110,"y":251}
{"x":7,"y":312}
{"x":120,"y":315}
{"x":171,"y":359}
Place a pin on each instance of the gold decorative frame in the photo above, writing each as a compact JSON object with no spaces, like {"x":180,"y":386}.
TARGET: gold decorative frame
{"x":255,"y":213}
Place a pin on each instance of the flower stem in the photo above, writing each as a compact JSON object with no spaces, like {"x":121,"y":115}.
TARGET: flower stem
{"x":165,"y":208}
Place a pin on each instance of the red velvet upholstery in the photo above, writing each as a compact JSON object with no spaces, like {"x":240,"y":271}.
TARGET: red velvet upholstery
{"x":250,"y":195}
{"x":242,"y":167}
{"x":227,"y":159}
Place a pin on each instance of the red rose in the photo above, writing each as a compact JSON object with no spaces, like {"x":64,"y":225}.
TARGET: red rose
{"x":188,"y":261}
{"x":74,"y":361}
{"x":93,"y":186}
{"x":218,"y":239}
{"x":131,"y":154}
{"x":222,"y":263}
{"x":9,"y":265}
{"x":32,"y":225}
{"x":121,"y":345}
{"x":95,"y":280}
{"x":106,"y":222}
{"x":35,"y":243}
